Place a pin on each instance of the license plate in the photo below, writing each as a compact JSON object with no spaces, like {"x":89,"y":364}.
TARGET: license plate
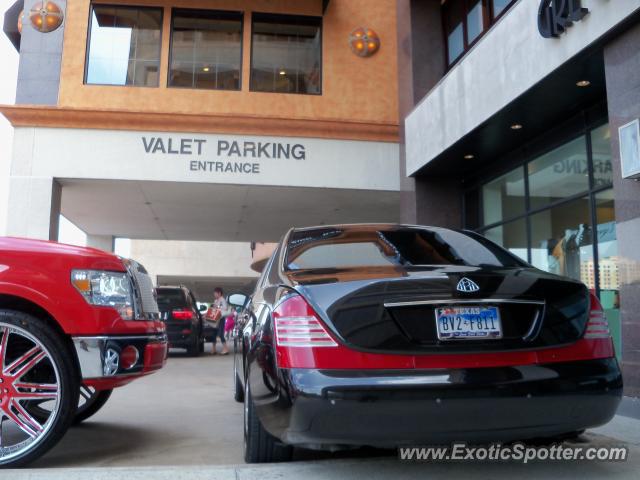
{"x":468,"y":323}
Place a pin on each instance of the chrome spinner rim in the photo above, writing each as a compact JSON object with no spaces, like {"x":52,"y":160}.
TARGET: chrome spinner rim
{"x":28,"y":376}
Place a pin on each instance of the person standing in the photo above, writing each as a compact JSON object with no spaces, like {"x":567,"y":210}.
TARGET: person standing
{"x":221,"y":311}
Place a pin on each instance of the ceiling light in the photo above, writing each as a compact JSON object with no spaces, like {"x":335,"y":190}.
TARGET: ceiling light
{"x":469,"y":157}
{"x":516,"y":126}
{"x":583,"y":83}
{"x":282,"y":72}
{"x":205,"y":69}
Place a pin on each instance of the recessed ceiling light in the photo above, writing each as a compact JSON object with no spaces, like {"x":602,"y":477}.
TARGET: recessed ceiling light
{"x":516,"y":126}
{"x":205,"y":69}
{"x":282,"y":72}
{"x":583,"y":83}
{"x":469,"y":157}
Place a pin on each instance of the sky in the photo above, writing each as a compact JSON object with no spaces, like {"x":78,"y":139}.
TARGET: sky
{"x":69,"y":233}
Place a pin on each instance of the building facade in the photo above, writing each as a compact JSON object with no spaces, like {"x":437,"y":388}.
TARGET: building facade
{"x":202,"y":120}
{"x":521,"y":117}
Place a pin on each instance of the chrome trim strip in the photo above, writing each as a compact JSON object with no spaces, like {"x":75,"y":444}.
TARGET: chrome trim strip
{"x":482,"y":301}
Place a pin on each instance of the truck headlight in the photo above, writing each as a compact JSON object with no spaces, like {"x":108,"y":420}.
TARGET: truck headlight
{"x":106,"y":289}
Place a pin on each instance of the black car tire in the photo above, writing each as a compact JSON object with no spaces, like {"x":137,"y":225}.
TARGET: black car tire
{"x":195,"y":348}
{"x":91,"y":406}
{"x":259,"y":445}
{"x":202,"y":343}
{"x":60,"y":356}
{"x":238,"y":393}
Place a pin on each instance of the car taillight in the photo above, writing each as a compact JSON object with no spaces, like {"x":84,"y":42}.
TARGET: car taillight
{"x":298,"y":326}
{"x":597,"y":325}
{"x":182,"y":315}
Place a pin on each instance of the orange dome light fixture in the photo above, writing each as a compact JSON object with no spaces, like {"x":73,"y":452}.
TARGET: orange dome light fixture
{"x":46,"y":16}
{"x":20,"y":21}
{"x":364,"y":42}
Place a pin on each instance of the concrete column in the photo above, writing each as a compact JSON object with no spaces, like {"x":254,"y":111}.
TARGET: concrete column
{"x":622,"y":68}
{"x":102,"y":242}
{"x":40,"y":62}
{"x":420,"y":67}
{"x":33,"y":209}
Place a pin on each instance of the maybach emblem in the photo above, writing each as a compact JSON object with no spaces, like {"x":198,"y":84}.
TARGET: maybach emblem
{"x":467,"y":286}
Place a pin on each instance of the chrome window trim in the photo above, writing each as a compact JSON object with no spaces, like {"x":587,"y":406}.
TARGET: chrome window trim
{"x":465,"y":301}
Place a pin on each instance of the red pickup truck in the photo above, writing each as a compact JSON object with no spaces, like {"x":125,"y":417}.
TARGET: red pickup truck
{"x":74,"y":324}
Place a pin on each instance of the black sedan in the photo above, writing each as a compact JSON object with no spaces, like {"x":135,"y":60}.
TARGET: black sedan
{"x":392,"y":335}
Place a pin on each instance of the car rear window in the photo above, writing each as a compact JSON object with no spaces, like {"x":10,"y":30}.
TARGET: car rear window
{"x":170,"y":298}
{"x":371,"y":247}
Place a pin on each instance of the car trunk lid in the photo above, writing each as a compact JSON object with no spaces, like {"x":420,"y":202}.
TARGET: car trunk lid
{"x":393,"y":309}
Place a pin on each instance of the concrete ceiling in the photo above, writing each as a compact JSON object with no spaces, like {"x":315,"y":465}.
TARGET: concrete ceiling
{"x":202,"y":287}
{"x":215,"y":212}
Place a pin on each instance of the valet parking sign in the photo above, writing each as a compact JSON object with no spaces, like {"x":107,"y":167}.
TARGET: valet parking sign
{"x":223,"y":155}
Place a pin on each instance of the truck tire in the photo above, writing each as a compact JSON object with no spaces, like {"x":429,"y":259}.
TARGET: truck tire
{"x":36,"y":366}
{"x":259,"y":445}
{"x":89,"y":402}
{"x":94,"y":400}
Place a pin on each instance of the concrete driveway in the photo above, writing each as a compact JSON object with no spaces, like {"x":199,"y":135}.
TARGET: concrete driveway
{"x":182,"y":423}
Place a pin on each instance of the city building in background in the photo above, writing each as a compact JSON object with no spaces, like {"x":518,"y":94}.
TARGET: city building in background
{"x":217,"y":121}
{"x":512,"y":112}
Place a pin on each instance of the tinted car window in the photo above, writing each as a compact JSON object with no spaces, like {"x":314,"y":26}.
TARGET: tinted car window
{"x":170,"y":298}
{"x":370,"y":247}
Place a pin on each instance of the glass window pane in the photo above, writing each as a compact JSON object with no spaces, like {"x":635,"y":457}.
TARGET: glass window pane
{"x":124,"y":46}
{"x":562,"y":240}
{"x":455,"y":43}
{"x":601,"y":148}
{"x":499,"y":6}
{"x":504,"y":197}
{"x":402,"y":246}
{"x":475,"y":22}
{"x":286,"y":54}
{"x":558,"y":174}
{"x":206,"y":50}
{"x":608,"y":263}
{"x":472,"y":209}
{"x":454,"y":14}
{"x":512,"y":236}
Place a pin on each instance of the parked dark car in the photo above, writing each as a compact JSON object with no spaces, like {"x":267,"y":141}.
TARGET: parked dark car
{"x":392,"y":335}
{"x":184,"y":322}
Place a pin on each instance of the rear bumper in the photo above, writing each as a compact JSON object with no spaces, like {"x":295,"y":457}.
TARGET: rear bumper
{"x":96,"y":370}
{"x":381,"y":408}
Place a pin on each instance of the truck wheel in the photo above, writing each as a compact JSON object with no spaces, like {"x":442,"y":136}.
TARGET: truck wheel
{"x":259,"y":445}
{"x":89,"y":402}
{"x":35,"y":366}
{"x":94,"y":400}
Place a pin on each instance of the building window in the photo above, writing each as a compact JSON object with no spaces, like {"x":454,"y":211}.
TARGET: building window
{"x":559,"y":174}
{"x":557,"y":210}
{"x":465,"y":21}
{"x":562,"y":239}
{"x":512,"y":236}
{"x":286,"y":54}
{"x":504,"y":197}
{"x":124,"y":46}
{"x":206,"y":49}
{"x":499,"y":6}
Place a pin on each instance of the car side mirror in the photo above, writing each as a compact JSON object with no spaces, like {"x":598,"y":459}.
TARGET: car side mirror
{"x":238,"y":300}
{"x":203,"y":308}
